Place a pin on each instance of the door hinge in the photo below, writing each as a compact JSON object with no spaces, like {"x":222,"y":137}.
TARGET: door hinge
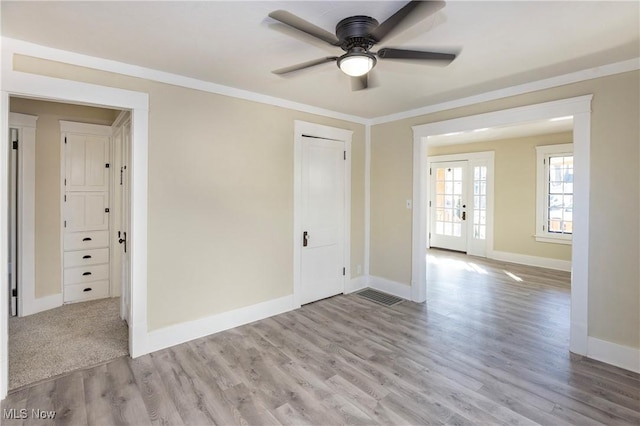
{"x":65,"y":139}
{"x":14,"y":292}
{"x":107,"y":165}
{"x":15,"y":144}
{"x":65,"y":198}
{"x":429,"y":203}
{"x":429,"y":171}
{"x":543,"y":227}
{"x":65,"y":182}
{"x":344,"y":271}
{"x":345,"y":155}
{"x":429,"y":235}
{"x":65,"y":223}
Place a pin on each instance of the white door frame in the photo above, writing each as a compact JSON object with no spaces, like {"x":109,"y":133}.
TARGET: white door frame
{"x":474,"y":159}
{"x":580,"y":108}
{"x":25,"y":197}
{"x":303,"y":128}
{"x":46,"y":88}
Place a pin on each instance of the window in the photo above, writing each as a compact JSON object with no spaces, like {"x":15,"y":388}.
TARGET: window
{"x":554,"y":217}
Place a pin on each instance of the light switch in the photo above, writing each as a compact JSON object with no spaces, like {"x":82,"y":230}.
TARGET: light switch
{"x":409,"y":204}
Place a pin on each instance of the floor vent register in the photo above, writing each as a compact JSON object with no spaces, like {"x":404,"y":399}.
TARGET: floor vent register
{"x":379,"y":297}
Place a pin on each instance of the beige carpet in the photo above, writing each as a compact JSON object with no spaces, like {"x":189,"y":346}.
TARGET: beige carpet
{"x":65,"y":339}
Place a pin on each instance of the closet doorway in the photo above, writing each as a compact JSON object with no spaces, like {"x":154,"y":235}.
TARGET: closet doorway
{"x":71,"y":296}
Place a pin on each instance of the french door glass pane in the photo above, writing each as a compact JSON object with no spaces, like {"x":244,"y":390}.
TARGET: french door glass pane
{"x":449,"y":201}
{"x":479,"y":202}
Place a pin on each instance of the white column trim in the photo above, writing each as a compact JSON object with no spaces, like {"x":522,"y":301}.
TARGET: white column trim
{"x":367,"y":200}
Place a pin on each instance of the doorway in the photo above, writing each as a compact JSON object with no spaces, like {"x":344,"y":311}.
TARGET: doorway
{"x":39,"y":87}
{"x":49,"y":338}
{"x":449,"y":199}
{"x":322,"y":193}
{"x":322,"y":214}
{"x":580,"y":109}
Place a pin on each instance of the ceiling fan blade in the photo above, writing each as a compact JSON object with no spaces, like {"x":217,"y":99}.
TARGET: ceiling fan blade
{"x":306,"y":27}
{"x":304,"y":65}
{"x":389,"y":53}
{"x":359,"y":83}
{"x":390,"y":24}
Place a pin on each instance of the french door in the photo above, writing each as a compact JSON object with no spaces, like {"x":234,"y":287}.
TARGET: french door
{"x":449,"y":205}
{"x":459,"y":205}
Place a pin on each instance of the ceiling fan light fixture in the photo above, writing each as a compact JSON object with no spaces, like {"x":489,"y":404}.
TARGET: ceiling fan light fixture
{"x":356,"y":64}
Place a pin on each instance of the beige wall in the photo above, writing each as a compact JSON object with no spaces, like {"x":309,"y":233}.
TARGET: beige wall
{"x":614,"y":274}
{"x":220,"y":196}
{"x":515,"y":192}
{"x":48,"y":267}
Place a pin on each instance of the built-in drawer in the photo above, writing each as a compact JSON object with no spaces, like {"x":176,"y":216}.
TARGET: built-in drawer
{"x":88,"y":291}
{"x":86,"y":257}
{"x":84,"y":274}
{"x":85,"y":240}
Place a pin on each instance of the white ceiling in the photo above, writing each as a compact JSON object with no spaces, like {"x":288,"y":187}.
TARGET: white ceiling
{"x":236,"y":44}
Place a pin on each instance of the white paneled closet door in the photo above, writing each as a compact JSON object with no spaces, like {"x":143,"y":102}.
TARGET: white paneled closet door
{"x":86,"y":188}
{"x":86,"y":160}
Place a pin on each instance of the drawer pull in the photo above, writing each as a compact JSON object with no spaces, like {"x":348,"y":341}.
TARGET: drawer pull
{"x":86,"y":256}
{"x":87,"y":289}
{"x":87,"y":273}
{"x":86,"y":239}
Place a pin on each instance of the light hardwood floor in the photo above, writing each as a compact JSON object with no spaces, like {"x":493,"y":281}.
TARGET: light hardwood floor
{"x":486,"y":349}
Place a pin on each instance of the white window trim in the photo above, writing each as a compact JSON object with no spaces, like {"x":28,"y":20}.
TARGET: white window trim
{"x":542,"y":153}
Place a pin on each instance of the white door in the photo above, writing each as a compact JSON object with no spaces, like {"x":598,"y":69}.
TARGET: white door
{"x":125,"y":221}
{"x":13,"y":221}
{"x":322,"y":220}
{"x":86,"y":162}
{"x":449,"y":200}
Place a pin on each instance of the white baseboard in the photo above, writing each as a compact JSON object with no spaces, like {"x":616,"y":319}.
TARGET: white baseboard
{"x":184,"y":332}
{"x":524,"y":259}
{"x":355,"y":284}
{"x":42,"y":304}
{"x":614,"y":354}
{"x":391,"y":287}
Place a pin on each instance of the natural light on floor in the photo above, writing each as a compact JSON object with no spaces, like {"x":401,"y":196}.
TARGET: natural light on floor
{"x":456,"y":264}
{"x":513,"y":276}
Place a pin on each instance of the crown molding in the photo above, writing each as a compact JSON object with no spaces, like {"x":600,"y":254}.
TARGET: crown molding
{"x":534,"y":86}
{"x":14,"y":46}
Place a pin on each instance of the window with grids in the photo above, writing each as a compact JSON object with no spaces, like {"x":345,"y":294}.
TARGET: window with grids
{"x":480,"y":202}
{"x":555,"y":193}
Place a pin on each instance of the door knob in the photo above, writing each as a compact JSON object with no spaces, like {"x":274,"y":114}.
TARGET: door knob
{"x":305,"y":239}
{"x":123,"y":240}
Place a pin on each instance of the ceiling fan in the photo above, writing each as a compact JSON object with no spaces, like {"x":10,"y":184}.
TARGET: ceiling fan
{"x":356,"y":35}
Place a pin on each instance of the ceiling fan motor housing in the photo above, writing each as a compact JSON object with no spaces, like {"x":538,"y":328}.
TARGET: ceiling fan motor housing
{"x":354,"y":32}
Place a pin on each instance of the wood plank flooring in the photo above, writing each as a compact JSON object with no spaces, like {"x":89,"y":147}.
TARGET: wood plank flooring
{"x":488,"y":348}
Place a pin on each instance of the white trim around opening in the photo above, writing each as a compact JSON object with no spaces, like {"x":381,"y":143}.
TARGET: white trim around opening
{"x":580,"y":109}
{"x":46,"y":88}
